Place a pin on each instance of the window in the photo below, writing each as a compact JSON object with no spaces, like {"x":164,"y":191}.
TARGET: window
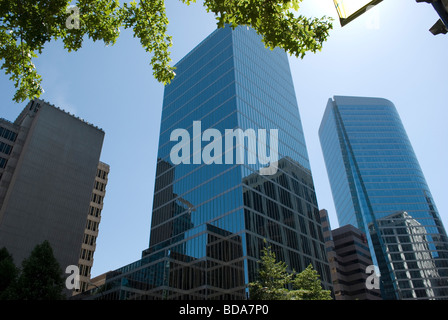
{"x":3,"y":162}
{"x":99,"y":186}
{"x":8,"y":134}
{"x":101,"y":174}
{"x":5,"y":148}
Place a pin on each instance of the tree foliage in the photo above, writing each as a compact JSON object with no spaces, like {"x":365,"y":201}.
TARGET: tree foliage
{"x":8,"y":272}
{"x":26,"y":26}
{"x":276,"y":283}
{"x":273,"y":278}
{"x":40,"y":277}
{"x":307,"y":286}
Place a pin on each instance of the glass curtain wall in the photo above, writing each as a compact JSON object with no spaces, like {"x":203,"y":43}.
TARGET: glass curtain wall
{"x":212,"y":214}
{"x":378,"y":186}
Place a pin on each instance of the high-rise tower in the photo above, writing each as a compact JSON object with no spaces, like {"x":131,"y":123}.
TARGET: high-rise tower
{"x":230,"y":108}
{"x":379,"y":187}
{"x":48,"y":163}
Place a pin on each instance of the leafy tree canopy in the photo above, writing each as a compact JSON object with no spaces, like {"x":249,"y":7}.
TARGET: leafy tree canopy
{"x":26,"y":26}
{"x":8,"y":272}
{"x":40,"y":277}
{"x":276,"y":283}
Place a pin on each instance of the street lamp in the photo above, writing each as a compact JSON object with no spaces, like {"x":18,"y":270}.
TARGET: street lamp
{"x":441,"y":6}
{"x":349,"y":10}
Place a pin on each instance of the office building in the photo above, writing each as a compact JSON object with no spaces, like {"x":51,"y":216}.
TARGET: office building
{"x":351,"y":264}
{"x":91,"y":231}
{"x":379,"y":187}
{"x":355,"y":269}
{"x":49,"y":160}
{"x":212,"y":211}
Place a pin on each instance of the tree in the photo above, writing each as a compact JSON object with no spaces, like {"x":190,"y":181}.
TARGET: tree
{"x":273,"y":278}
{"x":8,"y":273}
{"x":26,"y":26}
{"x":307,"y":286}
{"x":41,"y":276}
{"x":275,"y":282}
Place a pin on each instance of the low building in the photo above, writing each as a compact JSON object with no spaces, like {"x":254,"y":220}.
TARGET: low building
{"x":351,"y":265}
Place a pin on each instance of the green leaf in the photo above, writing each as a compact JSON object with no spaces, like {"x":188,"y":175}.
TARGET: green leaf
{"x":25,"y":28}
{"x":274,"y":282}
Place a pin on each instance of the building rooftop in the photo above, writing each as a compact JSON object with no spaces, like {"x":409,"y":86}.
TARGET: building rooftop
{"x":25,"y":110}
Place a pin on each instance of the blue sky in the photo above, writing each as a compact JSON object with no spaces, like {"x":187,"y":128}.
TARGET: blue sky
{"x":388,"y":53}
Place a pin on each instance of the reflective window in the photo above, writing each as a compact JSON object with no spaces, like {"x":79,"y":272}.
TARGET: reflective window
{"x":378,"y":186}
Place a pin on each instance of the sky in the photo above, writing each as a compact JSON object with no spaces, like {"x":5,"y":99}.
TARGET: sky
{"x":388,"y":52}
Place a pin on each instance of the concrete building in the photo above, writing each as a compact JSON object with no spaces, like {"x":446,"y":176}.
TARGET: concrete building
{"x":353,"y":262}
{"x":48,"y":162}
{"x":92,"y":227}
{"x":350,"y":261}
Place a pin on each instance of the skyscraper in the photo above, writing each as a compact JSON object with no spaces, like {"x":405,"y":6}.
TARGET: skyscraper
{"x":48,"y":164}
{"x":379,"y":187}
{"x":215,"y":202}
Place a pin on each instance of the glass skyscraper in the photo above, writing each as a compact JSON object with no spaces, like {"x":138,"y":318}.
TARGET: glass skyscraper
{"x":378,"y":186}
{"x":213,"y":210}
